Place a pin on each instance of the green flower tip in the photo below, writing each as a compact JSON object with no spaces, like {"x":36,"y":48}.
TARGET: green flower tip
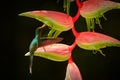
{"x":92,"y":10}
{"x":55,"y":52}
{"x":58,"y":21}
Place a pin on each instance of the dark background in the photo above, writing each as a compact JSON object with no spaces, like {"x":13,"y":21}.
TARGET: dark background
{"x":17,"y":33}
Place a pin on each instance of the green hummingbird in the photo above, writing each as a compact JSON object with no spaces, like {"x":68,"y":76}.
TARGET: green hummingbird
{"x":39,"y":41}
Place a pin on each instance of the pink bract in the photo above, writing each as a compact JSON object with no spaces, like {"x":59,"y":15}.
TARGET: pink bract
{"x":92,"y":10}
{"x":54,"y":19}
{"x":96,"y":8}
{"x":73,"y":72}
{"x":95,"y":41}
{"x":55,"y":52}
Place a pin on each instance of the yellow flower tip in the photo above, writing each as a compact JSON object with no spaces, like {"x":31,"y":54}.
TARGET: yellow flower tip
{"x":100,"y":51}
{"x":27,"y":54}
{"x":91,"y":23}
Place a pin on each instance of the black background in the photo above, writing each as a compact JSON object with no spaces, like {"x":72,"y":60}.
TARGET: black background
{"x":17,"y":33}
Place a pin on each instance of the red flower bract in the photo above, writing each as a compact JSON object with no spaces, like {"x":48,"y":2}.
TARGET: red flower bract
{"x":58,"y":21}
{"x":73,"y":72}
{"x":92,"y":10}
{"x":55,"y":52}
{"x":95,"y":41}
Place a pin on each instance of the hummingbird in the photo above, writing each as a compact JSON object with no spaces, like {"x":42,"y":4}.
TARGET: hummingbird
{"x":39,"y":41}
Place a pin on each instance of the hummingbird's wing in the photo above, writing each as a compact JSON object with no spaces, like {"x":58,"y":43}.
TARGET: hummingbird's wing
{"x":50,"y":40}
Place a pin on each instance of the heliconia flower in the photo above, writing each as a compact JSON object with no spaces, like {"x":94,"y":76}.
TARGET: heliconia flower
{"x":58,"y":21}
{"x":72,"y":72}
{"x":95,"y":41}
{"x":55,"y":52}
{"x":92,"y":10}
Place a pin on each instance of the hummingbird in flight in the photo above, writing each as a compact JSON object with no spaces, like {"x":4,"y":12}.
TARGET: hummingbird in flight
{"x":39,"y":41}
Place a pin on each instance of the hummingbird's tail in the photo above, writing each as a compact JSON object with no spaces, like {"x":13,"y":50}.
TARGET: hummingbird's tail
{"x":31,"y":64}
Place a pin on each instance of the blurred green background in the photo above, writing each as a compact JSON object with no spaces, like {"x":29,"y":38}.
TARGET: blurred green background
{"x":17,"y":33}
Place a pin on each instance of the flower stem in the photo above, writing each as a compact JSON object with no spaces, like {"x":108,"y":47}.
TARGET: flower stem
{"x":79,"y":5}
{"x":75,"y":33}
{"x":75,"y":18}
{"x":70,"y":59}
{"x":73,"y":46}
